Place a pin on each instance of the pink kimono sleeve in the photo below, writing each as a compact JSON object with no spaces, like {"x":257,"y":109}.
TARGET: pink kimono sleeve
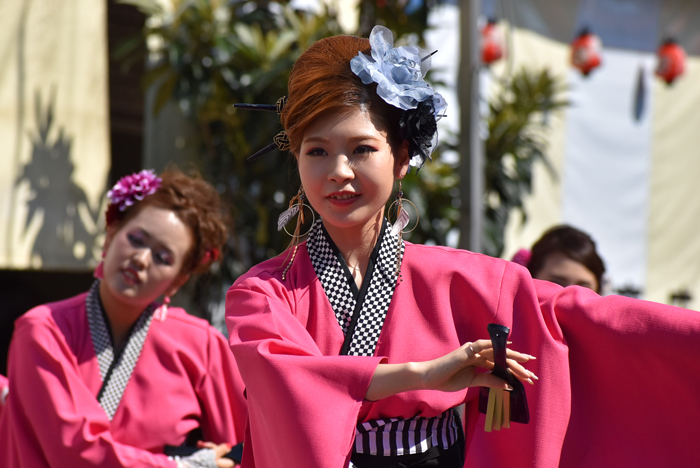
{"x":221,"y":394}
{"x":534,"y":331}
{"x":302,"y":406}
{"x":617,"y":381}
{"x":3,"y":392}
{"x":634,"y":371}
{"x":51,"y":417}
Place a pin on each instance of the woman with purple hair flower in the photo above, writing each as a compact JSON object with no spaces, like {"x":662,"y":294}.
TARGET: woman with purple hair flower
{"x":111,"y":377}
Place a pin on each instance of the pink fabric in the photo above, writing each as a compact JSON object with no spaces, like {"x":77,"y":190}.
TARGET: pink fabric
{"x":185,"y":378}
{"x":3,"y":389}
{"x":304,"y":400}
{"x":522,"y":257}
{"x":99,"y":270}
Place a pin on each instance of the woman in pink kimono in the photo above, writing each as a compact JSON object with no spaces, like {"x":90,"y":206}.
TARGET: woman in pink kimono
{"x":357,"y":347}
{"x":110,"y":378}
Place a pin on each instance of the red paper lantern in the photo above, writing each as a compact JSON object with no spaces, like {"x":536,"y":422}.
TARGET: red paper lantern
{"x":585,"y":52}
{"x":671,"y":61}
{"x":492,"y":43}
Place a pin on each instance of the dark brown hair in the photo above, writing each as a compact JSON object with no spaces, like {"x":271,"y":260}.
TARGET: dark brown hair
{"x":198,"y":205}
{"x":575,"y":244}
{"x":322,"y":81}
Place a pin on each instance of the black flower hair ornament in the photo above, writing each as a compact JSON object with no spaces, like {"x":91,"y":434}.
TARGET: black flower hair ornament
{"x":419,"y":127}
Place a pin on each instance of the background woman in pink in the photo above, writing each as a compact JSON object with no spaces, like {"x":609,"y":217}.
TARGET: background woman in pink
{"x":356,"y":347}
{"x":109,"y":378}
{"x":566,"y":256}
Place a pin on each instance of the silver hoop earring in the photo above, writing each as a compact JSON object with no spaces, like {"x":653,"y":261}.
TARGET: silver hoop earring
{"x":296,"y":206}
{"x":397,"y":228}
{"x":402,"y":217}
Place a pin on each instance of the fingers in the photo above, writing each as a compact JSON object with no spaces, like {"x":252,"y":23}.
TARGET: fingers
{"x":488,"y":354}
{"x":491,"y":381}
{"x":481,"y":345}
{"x":518,"y":356}
{"x":480,"y":352}
{"x":219,"y":449}
{"x":520,"y":372}
{"x":471,"y":353}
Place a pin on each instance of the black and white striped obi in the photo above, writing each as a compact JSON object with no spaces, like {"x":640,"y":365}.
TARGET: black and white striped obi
{"x":361,"y":314}
{"x":396,"y":437}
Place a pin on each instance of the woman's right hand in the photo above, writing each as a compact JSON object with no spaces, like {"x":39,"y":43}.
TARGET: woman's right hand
{"x":457,"y":370}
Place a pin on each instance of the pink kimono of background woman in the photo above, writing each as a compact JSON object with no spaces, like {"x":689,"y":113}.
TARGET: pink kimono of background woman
{"x":109,"y":378}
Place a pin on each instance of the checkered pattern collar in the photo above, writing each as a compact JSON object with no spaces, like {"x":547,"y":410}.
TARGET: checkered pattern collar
{"x":116,"y":366}
{"x":360,"y":312}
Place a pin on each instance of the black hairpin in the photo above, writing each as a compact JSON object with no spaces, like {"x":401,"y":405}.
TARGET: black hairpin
{"x":280,"y":141}
{"x":277,"y":107}
{"x":426,"y":57}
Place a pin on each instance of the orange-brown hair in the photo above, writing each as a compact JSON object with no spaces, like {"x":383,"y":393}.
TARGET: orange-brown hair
{"x":198,"y":205}
{"x":322,"y":81}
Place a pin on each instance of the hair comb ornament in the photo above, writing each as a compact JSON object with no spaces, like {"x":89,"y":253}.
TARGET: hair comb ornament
{"x":502,"y":407}
{"x":279,"y":141}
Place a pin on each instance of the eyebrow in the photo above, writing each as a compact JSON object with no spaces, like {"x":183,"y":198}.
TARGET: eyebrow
{"x":323,"y":139}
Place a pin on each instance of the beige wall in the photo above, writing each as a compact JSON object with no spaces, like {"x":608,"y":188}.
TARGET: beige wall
{"x":53,"y":61}
{"x":544,"y":206}
{"x":674,"y":205}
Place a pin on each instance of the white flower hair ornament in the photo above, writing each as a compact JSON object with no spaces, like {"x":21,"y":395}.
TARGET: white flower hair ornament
{"x":400,"y":76}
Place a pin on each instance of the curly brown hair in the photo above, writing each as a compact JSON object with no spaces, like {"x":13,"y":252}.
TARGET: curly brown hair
{"x":198,"y":205}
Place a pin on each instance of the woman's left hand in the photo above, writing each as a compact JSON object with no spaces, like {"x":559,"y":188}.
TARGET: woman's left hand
{"x":220,"y":450}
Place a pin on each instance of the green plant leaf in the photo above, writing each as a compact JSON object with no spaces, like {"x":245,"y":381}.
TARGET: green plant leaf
{"x":147,"y":7}
{"x":165,"y":92}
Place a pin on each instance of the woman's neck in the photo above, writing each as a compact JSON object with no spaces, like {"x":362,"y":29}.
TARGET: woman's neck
{"x":356,"y":245}
{"x":121,"y":316}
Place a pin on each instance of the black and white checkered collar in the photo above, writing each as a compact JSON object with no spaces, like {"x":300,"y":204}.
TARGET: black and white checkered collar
{"x":115,"y":367}
{"x":360,"y":312}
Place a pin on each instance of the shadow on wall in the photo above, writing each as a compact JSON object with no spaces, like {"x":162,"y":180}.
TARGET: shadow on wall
{"x":69,"y":232}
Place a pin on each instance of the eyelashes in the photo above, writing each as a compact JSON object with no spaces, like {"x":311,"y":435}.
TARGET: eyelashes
{"x":135,"y":240}
{"x":162,"y":258}
{"x":316,"y":152}
{"x":362,"y":149}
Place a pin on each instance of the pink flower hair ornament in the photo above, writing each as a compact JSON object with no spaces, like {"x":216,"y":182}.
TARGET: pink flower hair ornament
{"x":129,"y":190}
{"x":522,"y":257}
